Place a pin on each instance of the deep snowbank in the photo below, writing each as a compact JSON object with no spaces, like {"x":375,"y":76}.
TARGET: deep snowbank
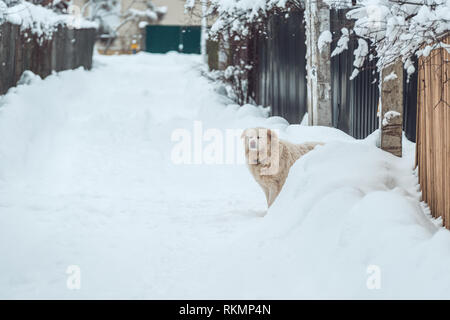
{"x":86,"y":179}
{"x":345,"y":208}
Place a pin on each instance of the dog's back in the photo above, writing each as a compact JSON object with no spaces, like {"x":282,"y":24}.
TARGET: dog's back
{"x":294,"y":151}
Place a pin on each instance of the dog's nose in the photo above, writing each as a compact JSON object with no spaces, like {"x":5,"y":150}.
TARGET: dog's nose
{"x":252,"y":144}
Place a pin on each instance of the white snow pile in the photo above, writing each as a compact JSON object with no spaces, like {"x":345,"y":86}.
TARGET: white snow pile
{"x":398,"y":29}
{"x":87,"y":180}
{"x":389,"y":116}
{"x":390,"y":76}
{"x":140,"y":14}
{"x":342,"y":43}
{"x":360,"y":53}
{"x":38,"y":19}
{"x":346,"y":209}
{"x":325,"y":38}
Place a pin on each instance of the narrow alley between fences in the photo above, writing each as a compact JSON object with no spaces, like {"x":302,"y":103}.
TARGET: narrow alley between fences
{"x":88,"y":182}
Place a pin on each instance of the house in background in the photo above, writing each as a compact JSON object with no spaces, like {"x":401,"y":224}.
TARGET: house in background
{"x":121,"y":22}
{"x":129,"y":26}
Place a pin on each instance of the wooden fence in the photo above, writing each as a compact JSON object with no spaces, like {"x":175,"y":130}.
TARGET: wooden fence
{"x":20,"y":50}
{"x":433,"y":132}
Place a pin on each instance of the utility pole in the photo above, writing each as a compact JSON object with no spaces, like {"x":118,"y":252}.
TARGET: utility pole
{"x":317,"y":16}
{"x":392,"y":108}
{"x":204,"y":29}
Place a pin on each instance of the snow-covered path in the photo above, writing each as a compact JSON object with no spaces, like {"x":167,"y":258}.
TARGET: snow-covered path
{"x":86,"y":179}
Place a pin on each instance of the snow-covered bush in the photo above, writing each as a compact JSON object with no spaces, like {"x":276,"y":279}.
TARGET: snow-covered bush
{"x":234,"y":80}
{"x":235,"y":20}
{"x":395,"y":29}
{"x":238,"y":17}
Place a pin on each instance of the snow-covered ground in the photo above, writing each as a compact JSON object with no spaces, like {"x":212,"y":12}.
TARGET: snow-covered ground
{"x":87,"y":179}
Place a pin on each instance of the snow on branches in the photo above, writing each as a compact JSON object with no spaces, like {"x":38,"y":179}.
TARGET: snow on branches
{"x":395,"y":29}
{"x":237,"y":17}
{"x":110,"y":15}
{"x":385,"y":29}
{"x":39,"y":20}
{"x":324,"y":38}
{"x":234,"y":23}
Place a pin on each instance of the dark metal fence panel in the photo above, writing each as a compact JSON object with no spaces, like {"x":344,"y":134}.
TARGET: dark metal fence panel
{"x":279,"y":78}
{"x":279,"y":73}
{"x":410,"y":103}
{"x":354,"y":102}
{"x":21,"y":50}
{"x":7,"y":53}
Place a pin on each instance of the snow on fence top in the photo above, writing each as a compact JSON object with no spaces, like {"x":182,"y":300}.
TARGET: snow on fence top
{"x":41,"y":21}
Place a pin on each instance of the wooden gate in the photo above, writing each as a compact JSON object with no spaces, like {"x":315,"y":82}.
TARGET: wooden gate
{"x":433,"y":132}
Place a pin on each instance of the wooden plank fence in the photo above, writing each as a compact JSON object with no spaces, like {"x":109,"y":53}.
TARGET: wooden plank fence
{"x":20,"y":50}
{"x":433,"y":132}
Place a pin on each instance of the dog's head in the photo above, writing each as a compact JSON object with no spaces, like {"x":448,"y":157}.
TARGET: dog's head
{"x":259,"y":145}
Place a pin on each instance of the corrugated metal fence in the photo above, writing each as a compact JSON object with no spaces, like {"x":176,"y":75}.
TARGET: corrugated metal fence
{"x":433,"y":132}
{"x":354,"y":102}
{"x":278,"y":78}
{"x":410,"y":103}
{"x":20,"y":50}
{"x":279,"y":74}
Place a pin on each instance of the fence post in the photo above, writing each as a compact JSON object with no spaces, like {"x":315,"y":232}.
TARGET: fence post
{"x":392,"y":108}
{"x":317,"y":16}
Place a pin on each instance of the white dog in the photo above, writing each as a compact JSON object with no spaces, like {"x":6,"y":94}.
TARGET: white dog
{"x":269,"y":159}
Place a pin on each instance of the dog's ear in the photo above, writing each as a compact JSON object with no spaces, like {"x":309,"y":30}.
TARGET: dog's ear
{"x":243,"y":134}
